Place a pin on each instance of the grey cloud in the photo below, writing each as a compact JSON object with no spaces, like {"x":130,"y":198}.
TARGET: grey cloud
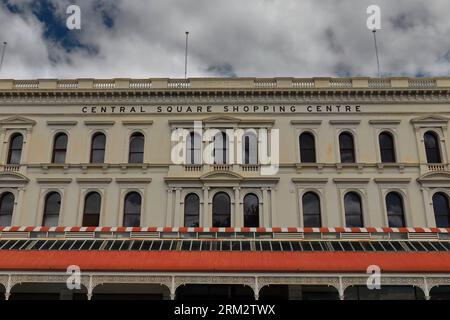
{"x":232,"y":38}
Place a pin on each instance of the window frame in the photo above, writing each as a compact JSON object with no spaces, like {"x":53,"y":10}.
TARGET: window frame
{"x":54,"y":149}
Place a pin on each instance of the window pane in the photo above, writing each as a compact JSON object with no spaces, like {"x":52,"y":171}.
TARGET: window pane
{"x":6,"y":208}
{"x":346,"y":146}
{"x":51,"y":209}
{"x":191,"y":210}
{"x":98,"y":148}
{"x":193,"y":148}
{"x":353,"y":210}
{"x":387,"y":150}
{"x":136,"y":154}
{"x":251,"y":211}
{"x":59,"y":156}
{"x":220,"y":148}
{"x":15,"y":149}
{"x":307,"y":148}
{"x":221,"y":210}
{"x":441,"y":210}
{"x":311,"y":210}
{"x":394,"y":206}
{"x":92,"y":207}
{"x":250,"y":149}
{"x":132,"y":210}
{"x":432,"y":147}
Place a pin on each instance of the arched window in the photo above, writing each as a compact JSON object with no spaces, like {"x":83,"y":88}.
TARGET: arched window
{"x":353,"y":210}
{"x":347,"y":147}
{"x":191,"y":210}
{"x":441,"y":208}
{"x":52,"y":207}
{"x":59,"y":148}
{"x":251,"y":211}
{"x":221,"y":148}
{"x":194,"y":148}
{"x":307,"y":148}
{"x":132,"y":210}
{"x":250,"y":148}
{"x":387,"y":149}
{"x":98,"y":146}
{"x":15,"y":148}
{"x":221,"y":210}
{"x":395,"y":210}
{"x":432,"y":147}
{"x":136,"y":153}
{"x":6,"y":209}
{"x":92,"y":207}
{"x":311,"y":210}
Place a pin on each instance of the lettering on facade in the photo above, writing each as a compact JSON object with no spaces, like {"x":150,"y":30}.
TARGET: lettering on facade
{"x":224,"y":109}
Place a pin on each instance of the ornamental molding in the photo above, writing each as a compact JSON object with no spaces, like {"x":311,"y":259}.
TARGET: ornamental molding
{"x":365,"y":95}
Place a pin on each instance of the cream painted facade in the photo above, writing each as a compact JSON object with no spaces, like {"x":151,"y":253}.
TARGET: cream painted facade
{"x":407,"y":108}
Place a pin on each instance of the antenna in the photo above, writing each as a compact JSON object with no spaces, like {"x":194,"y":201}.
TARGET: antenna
{"x":374,"y":31}
{"x":3,"y":55}
{"x":186,"y":55}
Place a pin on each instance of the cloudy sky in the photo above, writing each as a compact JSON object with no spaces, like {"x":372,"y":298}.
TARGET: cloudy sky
{"x":267,"y":38}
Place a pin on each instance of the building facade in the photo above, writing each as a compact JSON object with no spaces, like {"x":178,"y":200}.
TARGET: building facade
{"x":254,"y":188}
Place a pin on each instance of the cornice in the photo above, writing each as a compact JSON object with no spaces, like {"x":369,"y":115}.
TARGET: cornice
{"x":229,"y":90}
{"x":224,"y":95}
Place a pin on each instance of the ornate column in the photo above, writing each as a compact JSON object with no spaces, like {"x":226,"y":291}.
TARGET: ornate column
{"x":341,"y":289}
{"x":238,"y":219}
{"x":273,"y":209}
{"x":176,"y":222}
{"x":256,"y":289}
{"x":8,"y":288}
{"x":169,"y":212}
{"x":172,"y":289}
{"x":266,"y":218}
{"x":206,"y":215}
{"x":18,"y":203}
{"x":90,"y":288}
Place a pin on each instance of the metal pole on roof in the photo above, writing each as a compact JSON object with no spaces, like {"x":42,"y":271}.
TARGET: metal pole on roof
{"x":374,"y":31}
{"x":3,"y":54}
{"x":186,"y":55}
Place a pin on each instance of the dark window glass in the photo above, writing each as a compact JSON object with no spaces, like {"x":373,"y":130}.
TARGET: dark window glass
{"x":347,"y":147}
{"x":191,"y":210}
{"x":136,"y":154}
{"x":307,"y":148}
{"x":221,"y":210}
{"x":441,"y":210}
{"x":220,"y":148}
{"x":387,"y":150}
{"x":311,"y":210}
{"x":15,"y":149}
{"x":395,"y":211}
{"x":92,"y":207}
{"x":251,"y":210}
{"x":194,"y":149}
{"x":432,"y":147}
{"x":250,"y":151}
{"x":6,"y":209}
{"x":98,"y":148}
{"x":51,"y":209}
{"x":132,"y":210}
{"x":59,"y":148}
{"x":353,"y":210}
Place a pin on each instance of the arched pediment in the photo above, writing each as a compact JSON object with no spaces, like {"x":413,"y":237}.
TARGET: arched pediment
{"x":430,"y":119}
{"x":221,"y":175}
{"x":12,"y":178}
{"x":435,"y":177}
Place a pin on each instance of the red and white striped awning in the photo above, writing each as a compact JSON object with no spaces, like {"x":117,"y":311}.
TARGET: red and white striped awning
{"x":213,"y":229}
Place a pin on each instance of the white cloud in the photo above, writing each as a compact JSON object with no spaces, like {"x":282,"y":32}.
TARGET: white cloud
{"x":245,"y":38}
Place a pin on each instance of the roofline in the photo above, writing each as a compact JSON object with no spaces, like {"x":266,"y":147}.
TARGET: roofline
{"x":250,"y":83}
